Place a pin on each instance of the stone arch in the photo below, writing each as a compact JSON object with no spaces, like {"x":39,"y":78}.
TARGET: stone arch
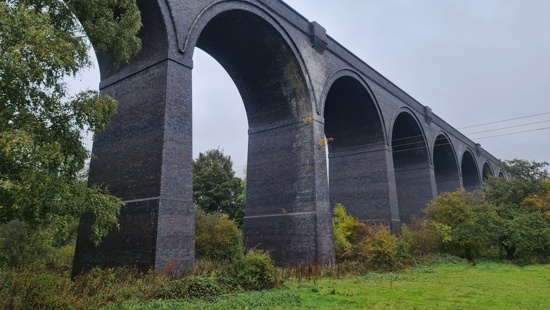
{"x":487,"y":171}
{"x":260,"y":59}
{"x":358,"y":155}
{"x":469,"y":170}
{"x":414,"y":175}
{"x":263,"y":62}
{"x":501,"y":174}
{"x":150,"y":163}
{"x":446,"y":173}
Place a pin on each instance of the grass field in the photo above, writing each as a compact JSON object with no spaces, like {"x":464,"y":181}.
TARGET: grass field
{"x":444,"y":286}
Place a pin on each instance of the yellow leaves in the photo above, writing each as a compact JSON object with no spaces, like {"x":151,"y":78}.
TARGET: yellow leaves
{"x":308,"y":120}
{"x":324,"y":142}
{"x":444,"y":231}
{"x":344,"y":226}
{"x":538,"y":203}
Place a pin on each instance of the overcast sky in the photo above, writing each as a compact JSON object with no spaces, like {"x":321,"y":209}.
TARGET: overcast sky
{"x":471,"y":61}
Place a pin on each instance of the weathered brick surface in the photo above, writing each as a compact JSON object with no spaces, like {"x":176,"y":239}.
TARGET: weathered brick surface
{"x":298,"y":85}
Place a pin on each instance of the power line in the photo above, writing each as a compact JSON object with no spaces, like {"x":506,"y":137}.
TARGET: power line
{"x":513,"y":133}
{"x":522,"y":125}
{"x":506,"y":120}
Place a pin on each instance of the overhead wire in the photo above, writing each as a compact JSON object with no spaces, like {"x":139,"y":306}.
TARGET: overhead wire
{"x":515,"y":126}
{"x":506,"y":120}
{"x":495,"y":122}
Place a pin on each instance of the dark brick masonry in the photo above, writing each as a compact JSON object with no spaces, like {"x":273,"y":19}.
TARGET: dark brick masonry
{"x":388,"y":154}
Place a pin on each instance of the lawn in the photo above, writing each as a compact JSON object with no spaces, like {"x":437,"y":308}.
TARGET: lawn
{"x":449,"y":286}
{"x":485,"y":285}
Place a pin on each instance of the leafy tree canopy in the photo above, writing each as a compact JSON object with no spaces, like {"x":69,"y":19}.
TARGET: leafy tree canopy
{"x":215,"y":187}
{"x":514,"y":214}
{"x":41,"y":150}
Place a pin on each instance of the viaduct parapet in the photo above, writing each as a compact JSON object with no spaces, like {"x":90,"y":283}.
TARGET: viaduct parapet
{"x":388,"y":155}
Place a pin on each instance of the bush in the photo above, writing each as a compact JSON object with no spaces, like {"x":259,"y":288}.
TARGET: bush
{"x":422,"y":237}
{"x":192,"y":287}
{"x":255,"y":271}
{"x":100,"y":287}
{"x":463,"y":223}
{"x":30,"y":290}
{"x":348,"y":234}
{"x":217,"y":237}
{"x":384,"y":251}
{"x":373,"y":246}
{"x":21,"y":246}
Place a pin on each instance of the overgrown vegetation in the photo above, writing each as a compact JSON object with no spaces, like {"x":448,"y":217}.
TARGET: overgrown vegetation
{"x":507,"y":217}
{"x":215,"y":187}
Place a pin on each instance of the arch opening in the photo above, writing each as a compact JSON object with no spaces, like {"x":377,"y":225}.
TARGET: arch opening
{"x":280,"y":205}
{"x":413,"y":172}
{"x":260,"y":62}
{"x":487,"y":171}
{"x":470,"y":175}
{"x":357,"y":154}
{"x":445,"y":165}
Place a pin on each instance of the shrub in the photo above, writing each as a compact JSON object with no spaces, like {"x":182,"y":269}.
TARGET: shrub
{"x":21,"y":246}
{"x":217,"y":237}
{"x":348,"y":234}
{"x":381,"y":249}
{"x":112,"y":285}
{"x":30,"y":290}
{"x":462,"y":222}
{"x":255,"y":271}
{"x":192,"y":287}
{"x":423,"y":237}
{"x":374,"y":246}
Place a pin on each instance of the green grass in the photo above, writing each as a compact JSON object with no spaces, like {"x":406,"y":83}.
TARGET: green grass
{"x":445,"y":286}
{"x":448,"y":286}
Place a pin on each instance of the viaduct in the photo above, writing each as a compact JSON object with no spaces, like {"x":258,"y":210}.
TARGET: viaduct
{"x":388,"y":155}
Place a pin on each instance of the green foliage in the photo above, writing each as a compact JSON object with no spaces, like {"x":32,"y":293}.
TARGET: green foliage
{"x":20,"y":246}
{"x":276,"y":299}
{"x":527,"y":178}
{"x":41,"y":150}
{"x":216,"y":237}
{"x":423,"y":237}
{"x":255,"y":271}
{"x":348,"y":234}
{"x":374,"y":246}
{"x":462,"y":222}
{"x":215,"y":187}
{"x":520,"y":206}
{"x":512,"y":215}
{"x":383,"y":250}
{"x":30,"y":290}
{"x":192,"y":287}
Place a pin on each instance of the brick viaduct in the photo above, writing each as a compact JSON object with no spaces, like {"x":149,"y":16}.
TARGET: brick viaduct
{"x":388,"y":154}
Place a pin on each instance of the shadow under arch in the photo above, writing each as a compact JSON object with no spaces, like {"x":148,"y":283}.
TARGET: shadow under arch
{"x":359,"y":158}
{"x":282,"y":215}
{"x":487,"y":171}
{"x":414,"y":176}
{"x":447,"y":177}
{"x":470,"y":172}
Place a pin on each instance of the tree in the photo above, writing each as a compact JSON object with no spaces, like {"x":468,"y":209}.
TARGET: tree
{"x":41,"y":150}
{"x":521,"y":208}
{"x":215,"y":187}
{"x":462,"y":221}
{"x":511,"y":214}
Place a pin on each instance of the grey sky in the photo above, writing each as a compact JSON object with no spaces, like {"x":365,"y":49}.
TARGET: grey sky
{"x":471,"y":61}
